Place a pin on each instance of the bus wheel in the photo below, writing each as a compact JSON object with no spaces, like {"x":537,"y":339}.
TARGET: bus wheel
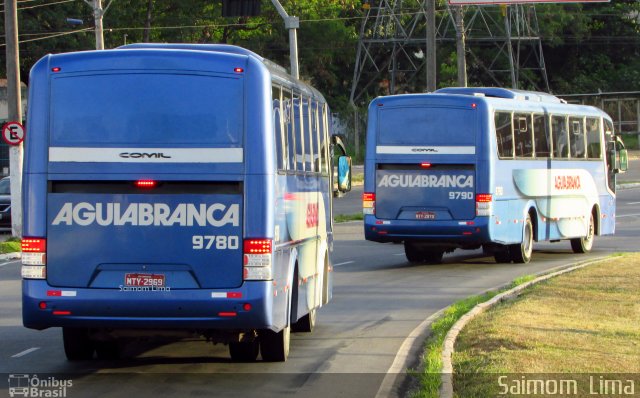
{"x":107,"y":349}
{"x":521,"y":252}
{"x":584,"y":244}
{"x":274,"y":346}
{"x":432,"y":256}
{"x":244,"y":351}
{"x":77,"y":344}
{"x":413,"y":253}
{"x":306,"y":323}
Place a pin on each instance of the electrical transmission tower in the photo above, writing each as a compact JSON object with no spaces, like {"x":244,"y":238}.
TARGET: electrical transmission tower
{"x":503,"y":47}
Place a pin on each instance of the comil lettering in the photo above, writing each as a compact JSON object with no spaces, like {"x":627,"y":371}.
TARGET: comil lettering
{"x":426,"y":181}
{"x":567,"y":182}
{"x":148,"y":214}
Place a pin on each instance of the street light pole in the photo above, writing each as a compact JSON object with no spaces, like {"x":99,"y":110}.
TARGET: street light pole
{"x":14,"y":108}
{"x":291,"y":23}
{"x":98,"y":14}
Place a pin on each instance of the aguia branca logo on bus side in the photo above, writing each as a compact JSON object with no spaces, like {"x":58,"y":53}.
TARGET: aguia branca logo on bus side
{"x":425,"y":181}
{"x":148,"y":214}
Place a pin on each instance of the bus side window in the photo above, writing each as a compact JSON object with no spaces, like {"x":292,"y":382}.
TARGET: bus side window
{"x":576,"y":138}
{"x":504,"y":134}
{"x":287,"y":103}
{"x":541,"y":138}
{"x":324,"y":138}
{"x":594,"y":147}
{"x":278,"y":129}
{"x":523,"y":138}
{"x":560,"y":135}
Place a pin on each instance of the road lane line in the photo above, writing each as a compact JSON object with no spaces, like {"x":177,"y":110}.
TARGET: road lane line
{"x":9,"y":262}
{"x":628,"y":215}
{"x":25,"y":352}
{"x":633,"y":203}
{"x":344,"y":263}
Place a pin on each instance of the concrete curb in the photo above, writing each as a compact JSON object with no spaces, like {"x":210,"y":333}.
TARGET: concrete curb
{"x":446,"y":387}
{"x":10,"y":256}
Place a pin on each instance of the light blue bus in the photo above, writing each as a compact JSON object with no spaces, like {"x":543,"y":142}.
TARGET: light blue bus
{"x":173,"y":191}
{"x":464,"y":168}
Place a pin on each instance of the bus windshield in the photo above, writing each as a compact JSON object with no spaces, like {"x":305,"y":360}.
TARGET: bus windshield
{"x":146,"y":108}
{"x":427,"y":126}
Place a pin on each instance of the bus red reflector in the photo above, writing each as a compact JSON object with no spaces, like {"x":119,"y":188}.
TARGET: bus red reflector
{"x":34,"y":245}
{"x":42,"y":305}
{"x":234,"y":294}
{"x":61,"y":312}
{"x":54,"y":293}
{"x":483,"y":197}
{"x":257,"y":246}
{"x":227,"y":314}
{"x":56,"y":69}
{"x":238,"y":70}
{"x":467,"y":233}
{"x":474,"y":106}
{"x":246,"y":307}
{"x":146,"y":184}
{"x":425,"y":165}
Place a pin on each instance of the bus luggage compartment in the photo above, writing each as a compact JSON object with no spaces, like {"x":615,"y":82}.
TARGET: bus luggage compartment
{"x":144,"y":240}
{"x":425,"y":192}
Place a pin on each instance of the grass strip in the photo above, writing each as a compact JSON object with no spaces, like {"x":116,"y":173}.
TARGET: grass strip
{"x":429,"y":376}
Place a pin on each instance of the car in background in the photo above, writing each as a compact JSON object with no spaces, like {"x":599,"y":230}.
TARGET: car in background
{"x":5,"y":203}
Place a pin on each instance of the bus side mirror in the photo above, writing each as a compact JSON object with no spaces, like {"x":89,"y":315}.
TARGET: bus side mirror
{"x":622,"y":157}
{"x":344,"y":174}
{"x":623,"y":161}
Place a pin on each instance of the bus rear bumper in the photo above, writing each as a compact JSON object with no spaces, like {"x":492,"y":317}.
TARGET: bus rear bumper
{"x":450,"y":234}
{"x":247,"y":307}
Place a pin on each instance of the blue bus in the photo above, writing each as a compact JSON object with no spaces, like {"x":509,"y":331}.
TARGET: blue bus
{"x":465,"y":168}
{"x":176,"y":191}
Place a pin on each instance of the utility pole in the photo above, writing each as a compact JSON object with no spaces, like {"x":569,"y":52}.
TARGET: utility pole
{"x":292,"y":24}
{"x":14,"y":102}
{"x":431,"y":45}
{"x":98,"y":14}
{"x":460,"y":48}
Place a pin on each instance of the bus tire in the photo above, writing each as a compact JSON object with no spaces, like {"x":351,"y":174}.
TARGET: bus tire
{"x":584,"y":244}
{"x":244,"y":351}
{"x":274,"y":346}
{"x":306,"y":323}
{"x":521,"y":252}
{"x":433,"y":256}
{"x":77,"y":344}
{"x":413,"y":252}
{"x":107,"y":350}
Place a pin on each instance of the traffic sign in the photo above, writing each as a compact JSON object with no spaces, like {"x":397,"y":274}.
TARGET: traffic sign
{"x":13,"y":133}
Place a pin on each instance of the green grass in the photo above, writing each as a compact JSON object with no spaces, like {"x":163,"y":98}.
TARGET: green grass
{"x":429,"y":377}
{"x":348,"y":217}
{"x":11,"y":245}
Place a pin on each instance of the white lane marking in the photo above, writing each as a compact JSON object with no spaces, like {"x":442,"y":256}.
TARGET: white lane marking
{"x":344,"y":263}
{"x":9,"y":262}
{"x":398,"y":254}
{"x":25,"y":352}
{"x":628,"y":215}
{"x":633,"y":203}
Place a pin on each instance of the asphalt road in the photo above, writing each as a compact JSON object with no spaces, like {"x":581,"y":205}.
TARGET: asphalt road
{"x":379,"y":299}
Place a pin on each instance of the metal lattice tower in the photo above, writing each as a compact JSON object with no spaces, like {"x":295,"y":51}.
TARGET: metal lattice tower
{"x":392,"y":46}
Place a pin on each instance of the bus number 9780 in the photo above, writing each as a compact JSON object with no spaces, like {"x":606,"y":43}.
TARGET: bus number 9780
{"x":220,"y":242}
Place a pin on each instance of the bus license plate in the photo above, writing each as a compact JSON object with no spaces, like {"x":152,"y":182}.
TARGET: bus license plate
{"x":425,"y":215}
{"x":149,"y":280}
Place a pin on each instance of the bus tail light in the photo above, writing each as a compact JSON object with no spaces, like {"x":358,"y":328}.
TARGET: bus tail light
{"x":368,"y":203}
{"x":258,"y":255}
{"x":484,"y":204}
{"x":34,"y":258}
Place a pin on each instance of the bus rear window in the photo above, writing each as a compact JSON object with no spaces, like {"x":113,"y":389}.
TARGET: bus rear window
{"x":427,"y":126}
{"x":149,"y":109}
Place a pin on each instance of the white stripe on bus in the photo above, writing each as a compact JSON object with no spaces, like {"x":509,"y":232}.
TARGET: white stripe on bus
{"x":145,"y":155}
{"x":425,"y":150}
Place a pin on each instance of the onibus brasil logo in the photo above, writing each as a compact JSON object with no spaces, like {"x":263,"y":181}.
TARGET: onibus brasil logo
{"x":24,"y":385}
